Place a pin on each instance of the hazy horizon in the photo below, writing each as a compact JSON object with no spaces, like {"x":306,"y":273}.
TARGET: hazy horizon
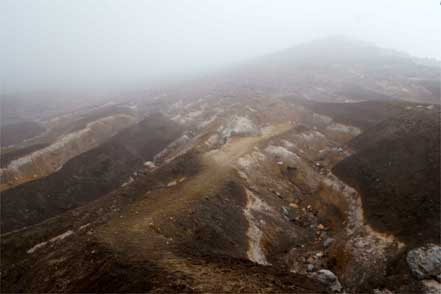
{"x":113,"y":45}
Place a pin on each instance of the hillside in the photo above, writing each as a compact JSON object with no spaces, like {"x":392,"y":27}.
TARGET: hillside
{"x":396,"y":168}
{"x":304,"y":171}
{"x":87,"y":176}
{"x":335,"y":69}
{"x":65,"y":137}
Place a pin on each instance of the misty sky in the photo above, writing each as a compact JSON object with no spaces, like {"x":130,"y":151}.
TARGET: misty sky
{"x":104,"y":43}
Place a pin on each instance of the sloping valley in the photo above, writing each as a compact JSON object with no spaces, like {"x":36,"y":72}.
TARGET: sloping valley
{"x":252,"y":191}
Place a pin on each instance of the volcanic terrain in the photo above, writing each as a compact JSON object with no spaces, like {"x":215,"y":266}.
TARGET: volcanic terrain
{"x":306,"y":171}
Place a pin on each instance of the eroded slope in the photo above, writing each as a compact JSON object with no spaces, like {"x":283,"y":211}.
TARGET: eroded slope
{"x":87,"y":176}
{"x":396,"y":169}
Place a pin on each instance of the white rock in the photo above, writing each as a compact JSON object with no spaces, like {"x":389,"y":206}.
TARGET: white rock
{"x":149,"y":164}
{"x":241,"y":126}
{"x":172,"y":183}
{"x":282,"y":153}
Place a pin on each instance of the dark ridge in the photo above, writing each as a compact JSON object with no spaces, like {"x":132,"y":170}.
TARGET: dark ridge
{"x":87,"y":176}
{"x":363,"y":115}
{"x":397,"y":171}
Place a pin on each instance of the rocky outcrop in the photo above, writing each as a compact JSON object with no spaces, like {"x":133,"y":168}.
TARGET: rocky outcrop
{"x":328,"y":279}
{"x":240,"y":126}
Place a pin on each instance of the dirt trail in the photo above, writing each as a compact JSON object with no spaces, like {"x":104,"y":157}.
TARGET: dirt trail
{"x":147,"y":227}
{"x":216,"y":166}
{"x":239,"y":146}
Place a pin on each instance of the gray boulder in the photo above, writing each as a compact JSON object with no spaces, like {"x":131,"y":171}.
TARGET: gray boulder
{"x":425,"y":262}
{"x":328,"y":279}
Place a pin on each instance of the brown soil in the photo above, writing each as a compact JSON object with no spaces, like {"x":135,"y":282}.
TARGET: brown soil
{"x":195,"y":242}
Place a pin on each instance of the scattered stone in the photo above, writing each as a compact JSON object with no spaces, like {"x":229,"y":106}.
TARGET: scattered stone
{"x":321,"y":227}
{"x":328,"y":242}
{"x":384,"y":291}
{"x":171,"y":184}
{"x":293,"y":205}
{"x":285,"y":211}
{"x":149,"y":164}
{"x":425,"y":262}
{"x":282,"y":154}
{"x":329,"y":279}
{"x":310,"y":268}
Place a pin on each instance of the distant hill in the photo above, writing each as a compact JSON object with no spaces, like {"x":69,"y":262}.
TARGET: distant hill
{"x":332,"y":70}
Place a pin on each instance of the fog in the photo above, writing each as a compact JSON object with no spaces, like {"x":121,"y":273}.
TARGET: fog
{"x":52,"y":45}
